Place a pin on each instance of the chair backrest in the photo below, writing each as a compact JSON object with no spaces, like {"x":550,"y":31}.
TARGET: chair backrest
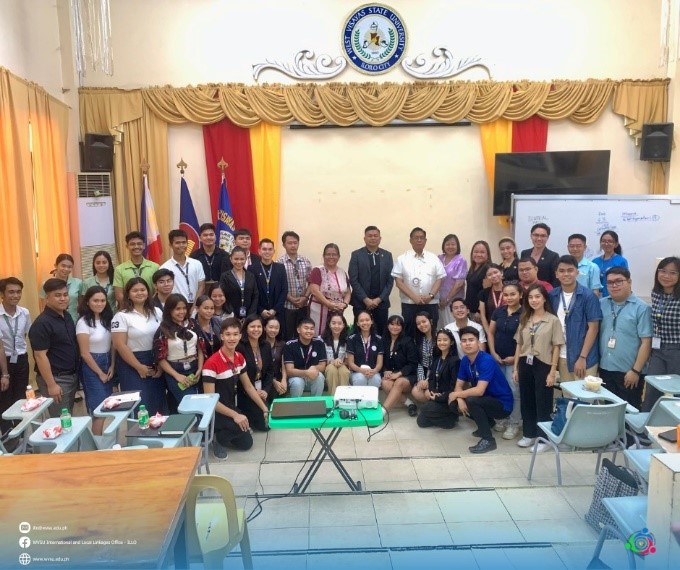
{"x":659,"y":416}
{"x":226,"y":491}
{"x":592,"y":426}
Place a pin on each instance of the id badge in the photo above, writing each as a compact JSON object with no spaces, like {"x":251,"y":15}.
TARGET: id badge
{"x":530,"y":359}
{"x":242,"y":312}
{"x":611,"y":343}
{"x":656,"y":342}
{"x":191,"y":298}
{"x":186,"y":365}
{"x":13,"y":358}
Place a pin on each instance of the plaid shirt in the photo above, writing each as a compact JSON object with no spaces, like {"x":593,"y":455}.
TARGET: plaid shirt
{"x":297,"y":272}
{"x":666,"y":318}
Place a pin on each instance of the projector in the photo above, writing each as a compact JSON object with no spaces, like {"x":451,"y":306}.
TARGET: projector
{"x":353,"y":397}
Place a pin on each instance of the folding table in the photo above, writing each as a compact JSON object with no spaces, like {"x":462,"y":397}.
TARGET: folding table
{"x":365,"y":418}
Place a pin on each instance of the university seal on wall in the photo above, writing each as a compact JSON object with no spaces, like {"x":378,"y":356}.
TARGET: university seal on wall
{"x":374,"y":38}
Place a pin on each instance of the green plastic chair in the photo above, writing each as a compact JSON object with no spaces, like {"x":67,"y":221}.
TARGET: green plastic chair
{"x":593,"y":427}
{"x":215,"y":527}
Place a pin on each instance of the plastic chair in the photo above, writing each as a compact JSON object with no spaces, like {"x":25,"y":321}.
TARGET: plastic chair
{"x":641,"y":460}
{"x":590,"y":427}
{"x":215,"y":527}
{"x":630,"y":515}
{"x":203,"y":406}
{"x":658,"y":416}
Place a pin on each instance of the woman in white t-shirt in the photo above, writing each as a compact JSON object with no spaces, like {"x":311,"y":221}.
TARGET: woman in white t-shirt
{"x":93,"y":331}
{"x":132,"y":331}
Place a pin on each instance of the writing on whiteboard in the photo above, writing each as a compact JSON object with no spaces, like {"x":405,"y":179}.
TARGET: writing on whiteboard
{"x":537,"y":219}
{"x":602,"y":224}
{"x":635,"y":217}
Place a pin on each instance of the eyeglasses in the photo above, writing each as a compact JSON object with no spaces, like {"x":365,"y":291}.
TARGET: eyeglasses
{"x":617,"y":283}
{"x":607,"y":241}
{"x":667,"y":272}
{"x":541,"y":236}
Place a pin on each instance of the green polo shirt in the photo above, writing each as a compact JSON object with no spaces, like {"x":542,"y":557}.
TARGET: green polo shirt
{"x":127,"y":270}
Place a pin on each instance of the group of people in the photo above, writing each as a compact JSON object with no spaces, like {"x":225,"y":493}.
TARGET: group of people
{"x":483,"y":340}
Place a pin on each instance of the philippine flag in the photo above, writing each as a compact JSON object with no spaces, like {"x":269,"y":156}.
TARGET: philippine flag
{"x":149,"y":227}
{"x":187,"y":217}
{"x":225,"y":220}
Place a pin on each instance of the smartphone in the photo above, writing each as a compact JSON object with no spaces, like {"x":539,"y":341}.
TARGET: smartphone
{"x":670,"y":435}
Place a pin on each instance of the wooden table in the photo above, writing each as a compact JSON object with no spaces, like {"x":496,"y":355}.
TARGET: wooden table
{"x":667,"y":446}
{"x":132,"y":502}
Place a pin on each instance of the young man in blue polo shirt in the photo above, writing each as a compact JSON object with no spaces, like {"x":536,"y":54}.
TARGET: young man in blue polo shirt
{"x":625,"y":337}
{"x":481,"y":391}
{"x":578,"y":309}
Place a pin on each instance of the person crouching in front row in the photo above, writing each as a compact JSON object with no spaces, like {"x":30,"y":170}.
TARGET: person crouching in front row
{"x":481,"y":391}
{"x":305,"y":360}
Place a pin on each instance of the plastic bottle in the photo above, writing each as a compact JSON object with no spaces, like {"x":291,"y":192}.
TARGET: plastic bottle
{"x":66,"y":422}
{"x":30,"y":392}
{"x":143,"y":417}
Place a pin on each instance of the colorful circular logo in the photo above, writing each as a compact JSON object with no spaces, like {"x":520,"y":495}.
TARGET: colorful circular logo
{"x":641,"y":543}
{"x":374,"y":38}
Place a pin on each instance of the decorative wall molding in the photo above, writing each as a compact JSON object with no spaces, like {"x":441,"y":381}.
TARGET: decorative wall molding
{"x":305,"y":67}
{"x":443,"y":66}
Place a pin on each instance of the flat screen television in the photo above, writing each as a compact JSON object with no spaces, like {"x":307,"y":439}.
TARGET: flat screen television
{"x":559,"y":172}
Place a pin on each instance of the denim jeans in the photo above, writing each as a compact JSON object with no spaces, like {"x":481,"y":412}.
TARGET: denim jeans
{"x":298,"y":385}
{"x":96,"y":391}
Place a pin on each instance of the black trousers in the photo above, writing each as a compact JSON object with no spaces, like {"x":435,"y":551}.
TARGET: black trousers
{"x":229,"y":434}
{"x":291,"y":319}
{"x":409,"y":313}
{"x":437,"y":414}
{"x":614,"y":381}
{"x":482,"y":410}
{"x":18,"y":380}
{"x":536,"y":399}
{"x":379,"y":314}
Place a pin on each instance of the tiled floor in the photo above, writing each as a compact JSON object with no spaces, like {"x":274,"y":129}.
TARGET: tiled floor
{"x":426,"y":501}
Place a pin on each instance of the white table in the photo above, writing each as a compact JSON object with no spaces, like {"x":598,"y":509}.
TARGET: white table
{"x":576,"y":389}
{"x":66,"y":441}
{"x":161,"y":441}
{"x":110,"y":435}
{"x":668,"y":384}
{"x":25,"y":428}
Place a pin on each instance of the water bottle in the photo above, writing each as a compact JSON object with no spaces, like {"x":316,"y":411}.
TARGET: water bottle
{"x":143,"y":417}
{"x":30,"y":392}
{"x":66,"y":423}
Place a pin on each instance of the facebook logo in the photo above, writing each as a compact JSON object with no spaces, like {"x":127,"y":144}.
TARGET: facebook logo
{"x":24,"y":542}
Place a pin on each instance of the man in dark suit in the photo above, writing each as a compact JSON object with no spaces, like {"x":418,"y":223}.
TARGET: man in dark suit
{"x":546,"y":259}
{"x":272,"y":282}
{"x":370,"y":273}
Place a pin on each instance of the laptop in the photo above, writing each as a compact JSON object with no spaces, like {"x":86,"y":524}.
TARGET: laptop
{"x":283,"y":409}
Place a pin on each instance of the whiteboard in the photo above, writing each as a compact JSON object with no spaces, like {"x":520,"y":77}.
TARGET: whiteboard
{"x":648,"y":227}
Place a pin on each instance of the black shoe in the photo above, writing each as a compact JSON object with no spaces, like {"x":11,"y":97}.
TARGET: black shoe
{"x":483,"y":446}
{"x":219,"y":451}
{"x":476,"y":433}
{"x":412,"y":410}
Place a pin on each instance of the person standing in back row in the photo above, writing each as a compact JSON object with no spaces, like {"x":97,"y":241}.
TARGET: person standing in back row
{"x":189,"y":275}
{"x":370,"y":274}
{"x":298,"y":268}
{"x":418,"y":274}
{"x":137,"y":266}
{"x":546,"y":259}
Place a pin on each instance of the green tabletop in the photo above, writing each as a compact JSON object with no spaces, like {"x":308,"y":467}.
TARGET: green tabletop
{"x":365,"y":417}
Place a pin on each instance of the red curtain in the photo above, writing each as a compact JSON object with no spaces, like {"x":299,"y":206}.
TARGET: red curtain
{"x":224,"y":139}
{"x":530,"y":135}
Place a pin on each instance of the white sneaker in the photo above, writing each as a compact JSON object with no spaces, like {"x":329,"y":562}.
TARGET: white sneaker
{"x":499,"y":427}
{"x":526,"y":441}
{"x":511,"y":432}
{"x":541,"y":447}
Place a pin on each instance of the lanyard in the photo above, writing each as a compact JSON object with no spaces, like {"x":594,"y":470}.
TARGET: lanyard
{"x":14,"y":332}
{"x":336,"y":350}
{"x":437,"y":372}
{"x":186,"y":275}
{"x":267,"y":276}
{"x":615,"y":315}
{"x":475,"y":374}
{"x":367,"y":348}
{"x":137,"y":269}
{"x":497,"y":301}
{"x":658,"y":314}
{"x":564,"y":304}
{"x":532,"y":333}
{"x":105,"y":287}
{"x":308,"y":355}
{"x":242,"y":286}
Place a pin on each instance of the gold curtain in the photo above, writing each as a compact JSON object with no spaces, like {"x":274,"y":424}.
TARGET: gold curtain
{"x":33,"y":189}
{"x":379,"y":103}
{"x":141,"y":135}
{"x":639,"y":104}
{"x":265,"y":147}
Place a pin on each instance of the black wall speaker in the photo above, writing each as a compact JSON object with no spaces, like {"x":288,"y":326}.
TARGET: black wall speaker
{"x":97,"y":153}
{"x":656,"y":142}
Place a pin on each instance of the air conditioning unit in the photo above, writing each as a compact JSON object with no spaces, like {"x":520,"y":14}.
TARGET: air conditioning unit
{"x":95,"y":215}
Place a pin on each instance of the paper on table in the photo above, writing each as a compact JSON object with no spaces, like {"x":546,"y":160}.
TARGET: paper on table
{"x":32,"y":404}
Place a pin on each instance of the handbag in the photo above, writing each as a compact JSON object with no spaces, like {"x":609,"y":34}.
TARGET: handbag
{"x":612,"y":481}
{"x":564,"y":407}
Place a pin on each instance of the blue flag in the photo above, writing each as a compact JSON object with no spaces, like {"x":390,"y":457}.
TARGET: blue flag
{"x":225,"y":220}
{"x":187,"y":217}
